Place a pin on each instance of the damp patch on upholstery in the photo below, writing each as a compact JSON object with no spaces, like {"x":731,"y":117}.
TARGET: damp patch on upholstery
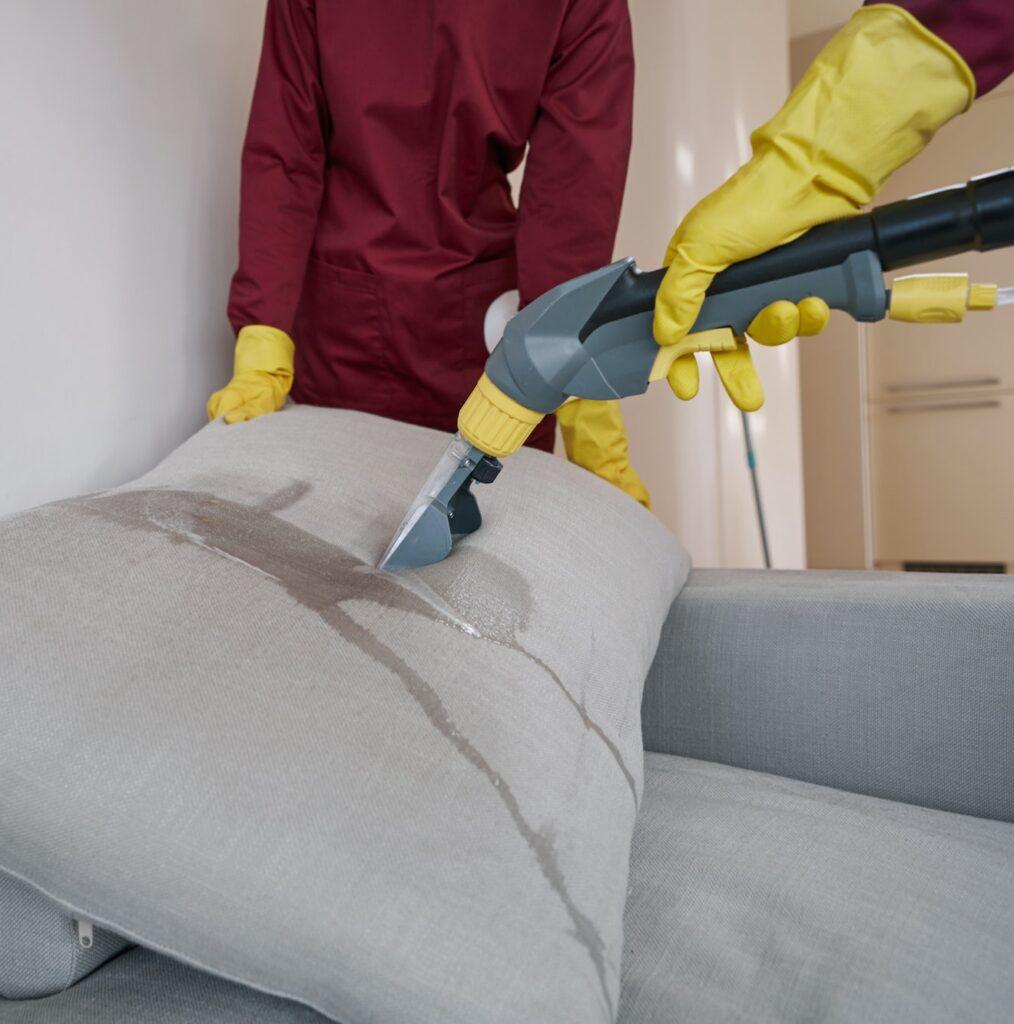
{"x":405,"y":797}
{"x":322,"y":578}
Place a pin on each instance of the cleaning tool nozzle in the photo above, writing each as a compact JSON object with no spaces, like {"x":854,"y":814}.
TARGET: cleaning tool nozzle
{"x":443,"y":509}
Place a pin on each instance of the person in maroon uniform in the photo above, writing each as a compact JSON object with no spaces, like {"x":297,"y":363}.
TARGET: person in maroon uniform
{"x":377,"y":224}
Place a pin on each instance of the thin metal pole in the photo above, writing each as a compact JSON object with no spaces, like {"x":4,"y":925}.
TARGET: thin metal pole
{"x":751,"y":461}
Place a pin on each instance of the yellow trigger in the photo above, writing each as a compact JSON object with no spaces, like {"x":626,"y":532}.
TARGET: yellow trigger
{"x":718,"y":339}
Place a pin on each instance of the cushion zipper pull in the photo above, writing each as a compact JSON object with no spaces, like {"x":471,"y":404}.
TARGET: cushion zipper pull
{"x":85,"y":934}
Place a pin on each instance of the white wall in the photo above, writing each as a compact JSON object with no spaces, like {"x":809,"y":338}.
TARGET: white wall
{"x":707,"y":74}
{"x":122,"y":124}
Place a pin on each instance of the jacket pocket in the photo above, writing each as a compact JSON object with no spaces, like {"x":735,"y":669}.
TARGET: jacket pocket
{"x":342,"y":334}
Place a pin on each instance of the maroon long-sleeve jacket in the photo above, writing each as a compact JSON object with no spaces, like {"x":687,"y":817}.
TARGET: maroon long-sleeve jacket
{"x":377,"y":223}
{"x":982,"y":31}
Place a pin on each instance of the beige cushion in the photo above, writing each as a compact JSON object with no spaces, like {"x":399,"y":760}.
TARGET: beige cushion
{"x":401,"y":800}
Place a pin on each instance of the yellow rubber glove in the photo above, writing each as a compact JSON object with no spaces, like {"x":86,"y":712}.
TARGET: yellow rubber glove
{"x":871,"y":100}
{"x":595,"y":439}
{"x":774,"y":325}
{"x":261,"y":376}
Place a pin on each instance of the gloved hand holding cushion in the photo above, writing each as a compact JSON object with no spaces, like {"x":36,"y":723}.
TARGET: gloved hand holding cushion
{"x":261,"y":377}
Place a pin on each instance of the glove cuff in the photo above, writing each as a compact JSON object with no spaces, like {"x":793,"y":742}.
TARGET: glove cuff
{"x":933,"y":39}
{"x":264,"y":349}
{"x":870,"y":101}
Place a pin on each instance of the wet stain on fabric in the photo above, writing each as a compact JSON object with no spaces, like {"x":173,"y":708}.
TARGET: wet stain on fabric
{"x":499,"y":598}
{"x":321,"y":577}
{"x":285,"y":497}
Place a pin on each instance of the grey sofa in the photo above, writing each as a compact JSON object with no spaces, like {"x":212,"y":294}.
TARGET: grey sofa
{"x":826,"y":830}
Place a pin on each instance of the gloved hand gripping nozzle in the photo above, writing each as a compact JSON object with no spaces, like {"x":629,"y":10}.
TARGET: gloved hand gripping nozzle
{"x":592,"y":337}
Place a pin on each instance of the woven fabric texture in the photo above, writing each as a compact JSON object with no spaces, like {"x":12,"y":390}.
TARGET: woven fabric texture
{"x":752,"y":898}
{"x":141,"y":987}
{"x":41,"y":948}
{"x":401,"y":799}
{"x":763,"y":899}
{"x":898,"y":685}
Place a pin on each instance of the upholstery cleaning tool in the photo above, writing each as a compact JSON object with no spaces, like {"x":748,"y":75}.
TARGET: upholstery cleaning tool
{"x":592,"y":337}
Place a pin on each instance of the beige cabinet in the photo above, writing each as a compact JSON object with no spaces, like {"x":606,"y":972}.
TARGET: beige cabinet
{"x":943,"y":480}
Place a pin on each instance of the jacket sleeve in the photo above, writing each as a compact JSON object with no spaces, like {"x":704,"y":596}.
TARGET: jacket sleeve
{"x":282,"y":171}
{"x":578,"y":149}
{"x":982,"y":32}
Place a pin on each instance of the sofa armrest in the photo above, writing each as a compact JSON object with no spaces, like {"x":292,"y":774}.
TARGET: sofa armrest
{"x":890,"y":684}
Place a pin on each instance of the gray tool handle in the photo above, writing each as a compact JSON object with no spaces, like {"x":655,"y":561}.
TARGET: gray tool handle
{"x":616,"y":359}
{"x":541,"y":361}
{"x":856,"y":287}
